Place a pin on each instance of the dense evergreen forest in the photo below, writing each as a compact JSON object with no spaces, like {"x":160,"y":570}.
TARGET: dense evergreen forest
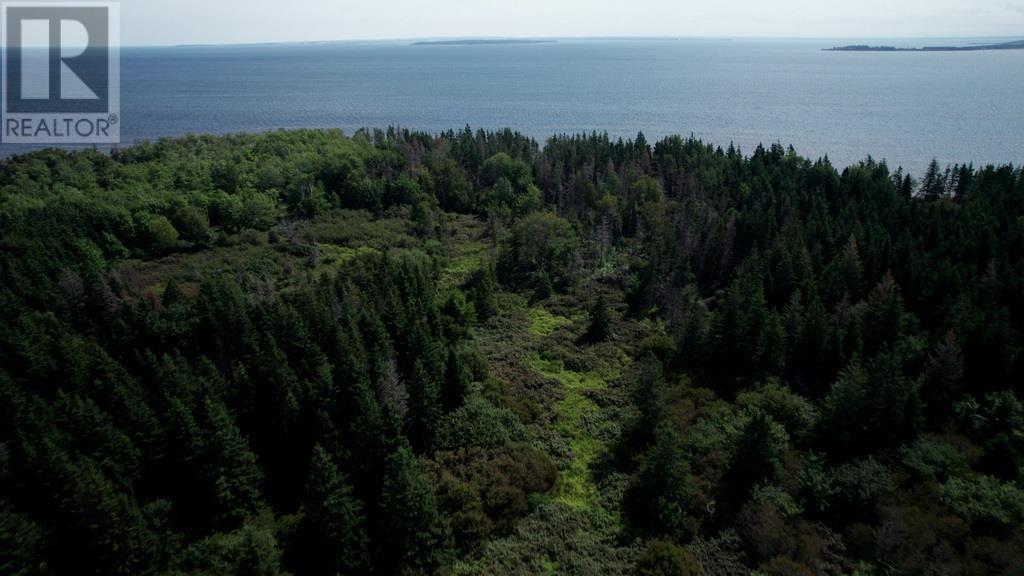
{"x":468,"y":353}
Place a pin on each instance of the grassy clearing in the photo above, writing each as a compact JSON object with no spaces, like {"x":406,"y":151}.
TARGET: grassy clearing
{"x":469,"y":258}
{"x":544,"y":323}
{"x":464,"y":248}
{"x":354,"y":228}
{"x":324,"y":244}
{"x":577,"y":418}
{"x":334,"y":257}
{"x":534,"y":350}
{"x":151,"y":275}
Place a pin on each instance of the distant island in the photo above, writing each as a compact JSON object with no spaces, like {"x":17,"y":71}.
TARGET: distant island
{"x":480,"y":42}
{"x":1015,"y":45}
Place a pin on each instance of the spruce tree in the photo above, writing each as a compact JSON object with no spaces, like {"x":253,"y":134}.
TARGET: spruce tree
{"x":871,"y":408}
{"x":99,"y":528}
{"x":650,"y":402}
{"x":884,"y":318}
{"x":21,"y":542}
{"x":481,"y":289}
{"x":456,"y":381}
{"x":600,"y":329}
{"x":229,"y":468}
{"x":933,"y":186}
{"x":414,"y":536}
{"x":851,"y":267}
{"x":425,"y":408}
{"x":334,"y":522}
{"x":757,"y":456}
{"x":941,"y":380}
{"x":660,"y":498}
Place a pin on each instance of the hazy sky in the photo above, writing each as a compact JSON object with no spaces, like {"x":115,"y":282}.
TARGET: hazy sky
{"x":238,"y":21}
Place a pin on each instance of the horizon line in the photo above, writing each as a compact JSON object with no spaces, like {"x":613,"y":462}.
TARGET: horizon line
{"x":552,"y":38}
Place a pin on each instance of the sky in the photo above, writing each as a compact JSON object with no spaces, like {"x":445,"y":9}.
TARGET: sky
{"x":170,"y":22}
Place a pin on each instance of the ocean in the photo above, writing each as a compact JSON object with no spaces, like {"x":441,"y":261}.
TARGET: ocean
{"x":905,"y":108}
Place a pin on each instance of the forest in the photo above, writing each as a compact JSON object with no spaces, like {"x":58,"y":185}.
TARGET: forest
{"x":399,"y":353}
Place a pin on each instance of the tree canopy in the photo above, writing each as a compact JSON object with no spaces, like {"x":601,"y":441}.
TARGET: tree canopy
{"x":404,"y":353}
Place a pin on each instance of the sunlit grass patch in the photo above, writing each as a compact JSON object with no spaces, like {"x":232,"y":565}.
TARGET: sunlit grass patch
{"x":151,"y":275}
{"x":333,"y":256}
{"x":459,"y":269}
{"x":577,"y":416}
{"x":464,"y":249}
{"x":576,"y":487}
{"x":358,"y":228}
{"x":544,"y":323}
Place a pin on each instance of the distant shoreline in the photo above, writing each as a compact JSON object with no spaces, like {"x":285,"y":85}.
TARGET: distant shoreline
{"x":1016,"y":45}
{"x":480,"y":42}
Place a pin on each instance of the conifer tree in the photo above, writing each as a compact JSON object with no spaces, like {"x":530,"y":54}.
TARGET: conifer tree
{"x":100,"y":529}
{"x":650,"y":402}
{"x":661,"y":497}
{"x":871,"y":407}
{"x":425,"y":407}
{"x":481,"y":289}
{"x":415,"y":537}
{"x":757,"y":456}
{"x":852,"y":269}
{"x":21,"y":542}
{"x":600,"y":329}
{"x":172,"y":294}
{"x":884,"y":318}
{"x":941,"y":380}
{"x":225,"y":332}
{"x":228,"y":467}
{"x":933,"y":186}
{"x":456,"y":381}
{"x":335,"y":533}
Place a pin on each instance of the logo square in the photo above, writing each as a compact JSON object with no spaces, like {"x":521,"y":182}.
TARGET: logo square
{"x":61,"y":73}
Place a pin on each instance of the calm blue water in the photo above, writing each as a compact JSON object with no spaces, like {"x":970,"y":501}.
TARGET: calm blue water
{"x":904,"y":107}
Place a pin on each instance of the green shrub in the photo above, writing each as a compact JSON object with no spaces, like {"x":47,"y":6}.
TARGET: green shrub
{"x":933,"y":460}
{"x":158,"y":232}
{"x":479,"y":423}
{"x":665,"y":558}
{"x":796,"y":414}
{"x":985,"y":500}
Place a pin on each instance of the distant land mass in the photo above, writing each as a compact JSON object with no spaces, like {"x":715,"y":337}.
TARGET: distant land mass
{"x":480,"y":42}
{"x":1015,"y":45}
